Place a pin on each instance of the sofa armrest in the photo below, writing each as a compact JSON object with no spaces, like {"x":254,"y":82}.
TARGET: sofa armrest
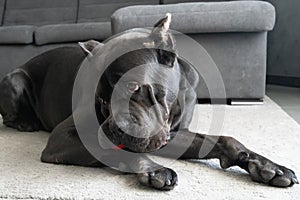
{"x":235,"y":16}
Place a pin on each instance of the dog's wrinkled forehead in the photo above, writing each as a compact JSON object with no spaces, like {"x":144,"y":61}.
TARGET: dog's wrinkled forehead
{"x":141,"y":66}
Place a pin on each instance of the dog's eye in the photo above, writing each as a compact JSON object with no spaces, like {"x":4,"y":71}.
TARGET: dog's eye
{"x":132,"y":87}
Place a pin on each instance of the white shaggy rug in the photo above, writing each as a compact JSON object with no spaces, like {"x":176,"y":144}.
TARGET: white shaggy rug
{"x":267,"y":129}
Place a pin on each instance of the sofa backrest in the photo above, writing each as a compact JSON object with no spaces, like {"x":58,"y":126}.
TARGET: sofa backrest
{"x":40,"y":12}
{"x":101,"y":10}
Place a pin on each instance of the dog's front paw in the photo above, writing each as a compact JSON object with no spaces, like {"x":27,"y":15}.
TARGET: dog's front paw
{"x":162,"y":179}
{"x":264,"y":170}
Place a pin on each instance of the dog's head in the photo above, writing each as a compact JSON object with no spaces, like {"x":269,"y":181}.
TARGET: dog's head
{"x":137,"y":99}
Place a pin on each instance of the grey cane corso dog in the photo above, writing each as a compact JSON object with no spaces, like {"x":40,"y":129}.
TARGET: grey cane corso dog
{"x":38,"y":96}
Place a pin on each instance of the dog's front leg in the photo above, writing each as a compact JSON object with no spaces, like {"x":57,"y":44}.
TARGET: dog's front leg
{"x":231,"y":152}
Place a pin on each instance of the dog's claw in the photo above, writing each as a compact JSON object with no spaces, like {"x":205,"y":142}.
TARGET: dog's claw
{"x":279,"y":172}
{"x":168,"y":182}
{"x":295,"y":180}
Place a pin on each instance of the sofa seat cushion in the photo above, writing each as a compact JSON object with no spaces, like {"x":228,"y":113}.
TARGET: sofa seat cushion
{"x":236,"y":16}
{"x":16,"y":34}
{"x":72,"y":32}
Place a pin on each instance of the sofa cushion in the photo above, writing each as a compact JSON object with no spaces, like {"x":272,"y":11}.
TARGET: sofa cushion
{"x":236,"y":16}
{"x":72,"y":32}
{"x":101,"y":10}
{"x":16,"y":34}
{"x":40,"y":12}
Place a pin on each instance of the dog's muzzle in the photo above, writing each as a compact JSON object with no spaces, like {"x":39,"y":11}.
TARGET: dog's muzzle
{"x":137,"y":137}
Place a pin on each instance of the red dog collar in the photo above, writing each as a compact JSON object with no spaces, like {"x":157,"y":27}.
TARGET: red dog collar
{"x":120,"y":146}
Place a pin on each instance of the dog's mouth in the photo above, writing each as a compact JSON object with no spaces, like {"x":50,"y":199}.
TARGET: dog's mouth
{"x":136,"y":142}
{"x":143,"y":145}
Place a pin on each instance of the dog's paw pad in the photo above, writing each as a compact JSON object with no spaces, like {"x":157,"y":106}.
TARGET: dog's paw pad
{"x":162,"y":179}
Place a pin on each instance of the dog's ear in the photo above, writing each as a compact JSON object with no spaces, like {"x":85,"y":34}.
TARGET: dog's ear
{"x":162,"y":40}
{"x":89,"y":46}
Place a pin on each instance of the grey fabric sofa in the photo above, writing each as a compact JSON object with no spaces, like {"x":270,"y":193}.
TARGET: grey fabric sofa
{"x":233,"y":33}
